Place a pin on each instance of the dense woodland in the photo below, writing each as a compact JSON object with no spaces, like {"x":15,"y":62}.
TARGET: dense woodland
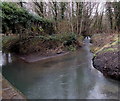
{"x":77,"y":17}
{"x":63,"y":22}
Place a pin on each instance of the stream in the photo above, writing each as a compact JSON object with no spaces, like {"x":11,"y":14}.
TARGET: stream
{"x":71,"y":76}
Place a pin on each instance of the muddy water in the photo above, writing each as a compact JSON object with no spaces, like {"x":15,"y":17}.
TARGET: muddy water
{"x":66,"y":77}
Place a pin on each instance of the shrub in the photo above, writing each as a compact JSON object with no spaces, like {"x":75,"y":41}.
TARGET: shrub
{"x":15,"y":17}
{"x":8,"y":42}
{"x":71,"y":48}
{"x":40,"y":43}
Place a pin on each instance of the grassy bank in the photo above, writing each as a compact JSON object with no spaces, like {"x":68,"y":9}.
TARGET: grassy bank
{"x":105,"y":42}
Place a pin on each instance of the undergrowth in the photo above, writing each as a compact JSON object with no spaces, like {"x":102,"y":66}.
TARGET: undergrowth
{"x":40,"y":43}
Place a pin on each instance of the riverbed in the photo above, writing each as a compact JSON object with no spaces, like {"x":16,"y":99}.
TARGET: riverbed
{"x":71,"y":76}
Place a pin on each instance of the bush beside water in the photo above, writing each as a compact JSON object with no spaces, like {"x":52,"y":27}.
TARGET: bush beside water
{"x":39,"y":43}
{"x":26,"y":33}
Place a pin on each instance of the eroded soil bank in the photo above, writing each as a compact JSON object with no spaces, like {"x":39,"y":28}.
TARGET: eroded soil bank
{"x":106,"y":54}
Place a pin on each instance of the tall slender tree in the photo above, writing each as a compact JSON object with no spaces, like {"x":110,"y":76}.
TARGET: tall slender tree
{"x":109,"y":13}
{"x":39,"y":8}
{"x":63,"y":8}
{"x":79,"y":13}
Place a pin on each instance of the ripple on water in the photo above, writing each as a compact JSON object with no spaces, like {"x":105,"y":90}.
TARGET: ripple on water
{"x":70,"y":77}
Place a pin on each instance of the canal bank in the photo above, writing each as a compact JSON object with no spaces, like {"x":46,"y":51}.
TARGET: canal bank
{"x":10,"y":92}
{"x":7,"y":90}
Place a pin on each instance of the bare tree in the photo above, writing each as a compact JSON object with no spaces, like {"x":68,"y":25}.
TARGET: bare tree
{"x":116,"y":7}
{"x":79,"y":13}
{"x":55,"y":7}
{"x":63,"y":8}
{"x":109,"y":13}
{"x":39,"y":8}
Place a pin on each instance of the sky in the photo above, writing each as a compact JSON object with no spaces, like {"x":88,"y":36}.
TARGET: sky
{"x":63,"y":0}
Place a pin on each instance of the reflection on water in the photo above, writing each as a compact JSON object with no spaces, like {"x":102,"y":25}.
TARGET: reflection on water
{"x":5,"y":58}
{"x":67,"y":77}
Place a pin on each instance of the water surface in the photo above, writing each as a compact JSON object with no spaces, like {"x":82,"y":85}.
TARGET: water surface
{"x":66,"y":77}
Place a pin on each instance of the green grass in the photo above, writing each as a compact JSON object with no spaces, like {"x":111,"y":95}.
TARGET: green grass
{"x":109,"y":49}
{"x":112,"y":46}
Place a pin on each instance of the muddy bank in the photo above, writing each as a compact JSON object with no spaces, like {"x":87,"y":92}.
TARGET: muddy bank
{"x":38,"y":57}
{"x":9,"y":92}
{"x":106,"y":55}
{"x":108,"y":64}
